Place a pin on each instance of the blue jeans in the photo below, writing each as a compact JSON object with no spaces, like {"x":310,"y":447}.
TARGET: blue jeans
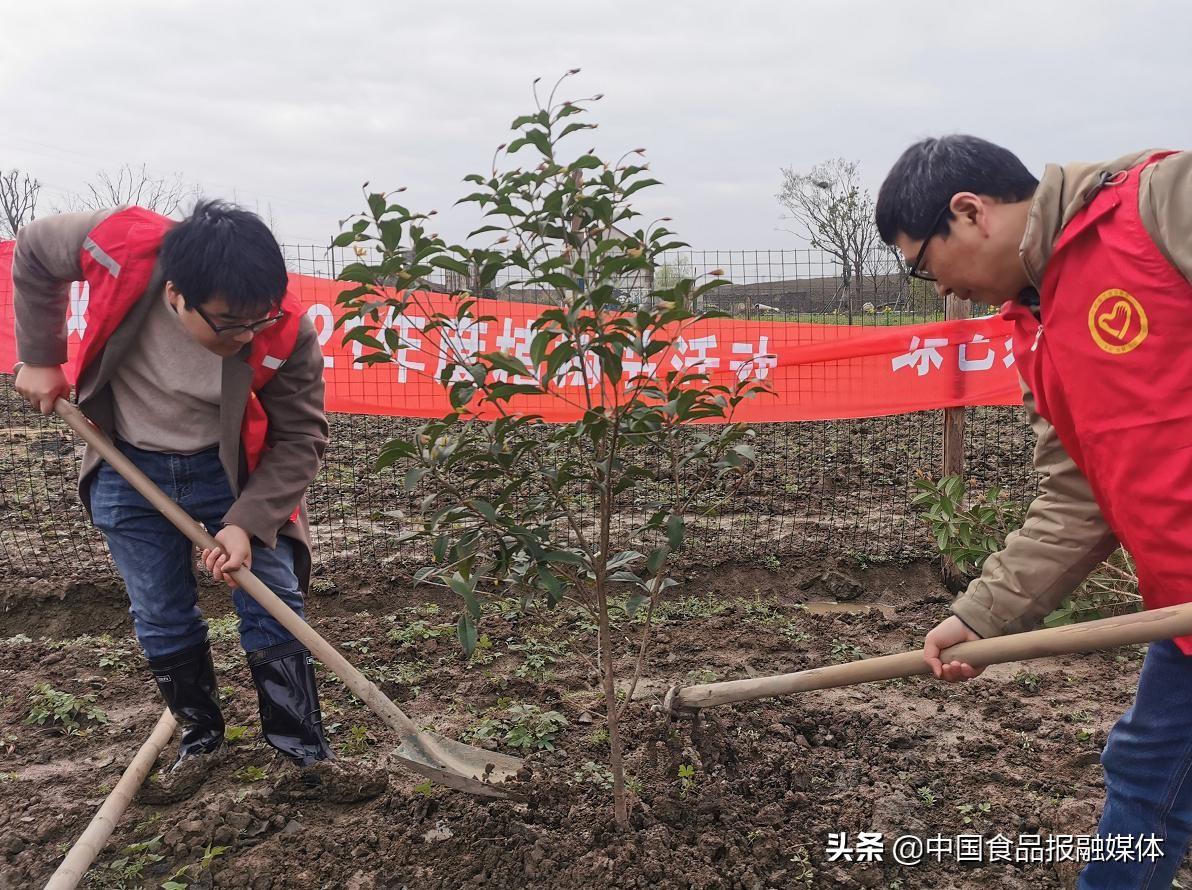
{"x":1147,"y":761}
{"x":157,"y":561}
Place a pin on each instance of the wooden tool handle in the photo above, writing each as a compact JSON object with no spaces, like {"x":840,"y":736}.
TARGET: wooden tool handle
{"x":364,"y":688}
{"x":1106,"y":633}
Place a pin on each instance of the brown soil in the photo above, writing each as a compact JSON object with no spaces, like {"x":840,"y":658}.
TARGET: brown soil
{"x":1014,"y":752}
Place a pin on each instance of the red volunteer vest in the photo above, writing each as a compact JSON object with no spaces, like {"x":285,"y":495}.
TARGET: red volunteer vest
{"x":1110,"y":364}
{"x":118,"y":259}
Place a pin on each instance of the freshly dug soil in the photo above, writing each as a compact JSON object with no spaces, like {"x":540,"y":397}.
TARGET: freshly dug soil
{"x":761,"y":786}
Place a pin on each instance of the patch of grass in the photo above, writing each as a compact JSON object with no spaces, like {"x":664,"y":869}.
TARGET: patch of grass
{"x":592,"y":773}
{"x":251,"y":774}
{"x":520,"y":726}
{"x":114,"y":660}
{"x":193,"y":870}
{"x":223,"y":630}
{"x":359,"y":740}
{"x":1028,"y":681}
{"x":418,"y":631}
{"x":842,"y":651}
{"x":971,"y":811}
{"x":687,"y":608}
{"x":127,"y":871}
{"x":49,"y":706}
{"x":762,"y":611}
{"x":484,"y":653}
{"x":538,"y":657}
{"x":405,"y":674}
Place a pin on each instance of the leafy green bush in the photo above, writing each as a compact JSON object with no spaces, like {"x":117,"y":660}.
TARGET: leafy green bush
{"x":969,"y":534}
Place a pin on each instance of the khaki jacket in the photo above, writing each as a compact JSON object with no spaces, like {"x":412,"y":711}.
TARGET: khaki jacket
{"x":1064,"y":536}
{"x":47,"y":260}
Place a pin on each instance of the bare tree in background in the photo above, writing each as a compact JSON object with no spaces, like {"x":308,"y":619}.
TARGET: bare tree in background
{"x":837,"y":216}
{"x":133,"y":185}
{"x":18,"y":201}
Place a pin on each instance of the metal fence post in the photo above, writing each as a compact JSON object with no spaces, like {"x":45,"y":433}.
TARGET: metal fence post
{"x":954,"y":422}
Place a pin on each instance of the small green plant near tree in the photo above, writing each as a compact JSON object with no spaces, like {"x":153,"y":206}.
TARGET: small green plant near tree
{"x":968,"y":532}
{"x":418,"y":631}
{"x":126,"y":871}
{"x":223,"y":630}
{"x":1029,"y":681}
{"x":926,"y":795}
{"x":592,"y":773}
{"x":194,"y":870}
{"x":970,"y":811}
{"x":802,"y":871}
{"x":62,"y":710}
{"x":702,"y":675}
{"x":538,"y":657}
{"x":484,"y":652}
{"x":844,"y":651}
{"x":114,"y":660}
{"x":520,"y":726}
{"x":686,"y":777}
{"x":252,"y":773}
{"x":514,"y":506}
{"x":358,"y":742}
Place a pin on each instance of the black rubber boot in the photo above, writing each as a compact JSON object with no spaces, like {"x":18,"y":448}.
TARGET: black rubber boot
{"x":289,"y":701}
{"x":186,"y":681}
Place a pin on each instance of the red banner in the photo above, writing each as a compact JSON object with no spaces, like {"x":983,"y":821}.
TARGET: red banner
{"x":818,"y":372}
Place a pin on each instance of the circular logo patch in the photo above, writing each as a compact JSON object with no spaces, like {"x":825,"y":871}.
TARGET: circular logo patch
{"x":1117,"y":322}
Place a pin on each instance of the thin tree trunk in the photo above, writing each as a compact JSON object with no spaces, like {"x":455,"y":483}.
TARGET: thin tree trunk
{"x":616,"y":764}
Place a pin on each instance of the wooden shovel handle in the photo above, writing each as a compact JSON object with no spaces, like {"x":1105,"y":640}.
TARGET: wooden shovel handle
{"x":1106,"y":633}
{"x":99,"y":829}
{"x":364,"y":688}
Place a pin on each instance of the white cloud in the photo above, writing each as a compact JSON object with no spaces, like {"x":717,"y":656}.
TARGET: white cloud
{"x":294,"y":105}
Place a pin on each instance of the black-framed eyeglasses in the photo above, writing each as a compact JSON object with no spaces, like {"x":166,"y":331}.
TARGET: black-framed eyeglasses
{"x":231,"y":330}
{"x":914,"y":271}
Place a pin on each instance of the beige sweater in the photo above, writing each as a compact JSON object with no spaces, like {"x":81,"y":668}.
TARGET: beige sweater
{"x":166,"y":391}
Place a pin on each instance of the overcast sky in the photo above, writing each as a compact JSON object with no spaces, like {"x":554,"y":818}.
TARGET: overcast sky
{"x":289,"y":107}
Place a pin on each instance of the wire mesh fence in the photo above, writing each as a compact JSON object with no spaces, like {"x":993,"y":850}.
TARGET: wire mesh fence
{"x":820,"y":488}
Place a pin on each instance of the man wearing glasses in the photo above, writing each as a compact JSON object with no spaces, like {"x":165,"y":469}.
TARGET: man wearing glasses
{"x":1094,"y":262}
{"x":208,"y":376}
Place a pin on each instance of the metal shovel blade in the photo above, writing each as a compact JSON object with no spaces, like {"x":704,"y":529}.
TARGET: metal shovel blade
{"x":459,"y":766}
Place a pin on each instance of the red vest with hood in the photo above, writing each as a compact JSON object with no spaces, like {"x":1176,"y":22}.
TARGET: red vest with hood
{"x":118,"y":260}
{"x":1109,"y":361}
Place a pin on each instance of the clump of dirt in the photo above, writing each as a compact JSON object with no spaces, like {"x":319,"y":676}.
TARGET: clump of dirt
{"x":743,"y":797}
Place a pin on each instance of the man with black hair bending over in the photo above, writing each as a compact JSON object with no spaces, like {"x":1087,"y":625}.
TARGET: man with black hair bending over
{"x":1094,"y":263}
{"x":209,"y":378}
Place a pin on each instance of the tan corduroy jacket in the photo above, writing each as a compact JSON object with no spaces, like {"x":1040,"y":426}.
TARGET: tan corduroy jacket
{"x":47,"y":260}
{"x":1064,"y":536}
